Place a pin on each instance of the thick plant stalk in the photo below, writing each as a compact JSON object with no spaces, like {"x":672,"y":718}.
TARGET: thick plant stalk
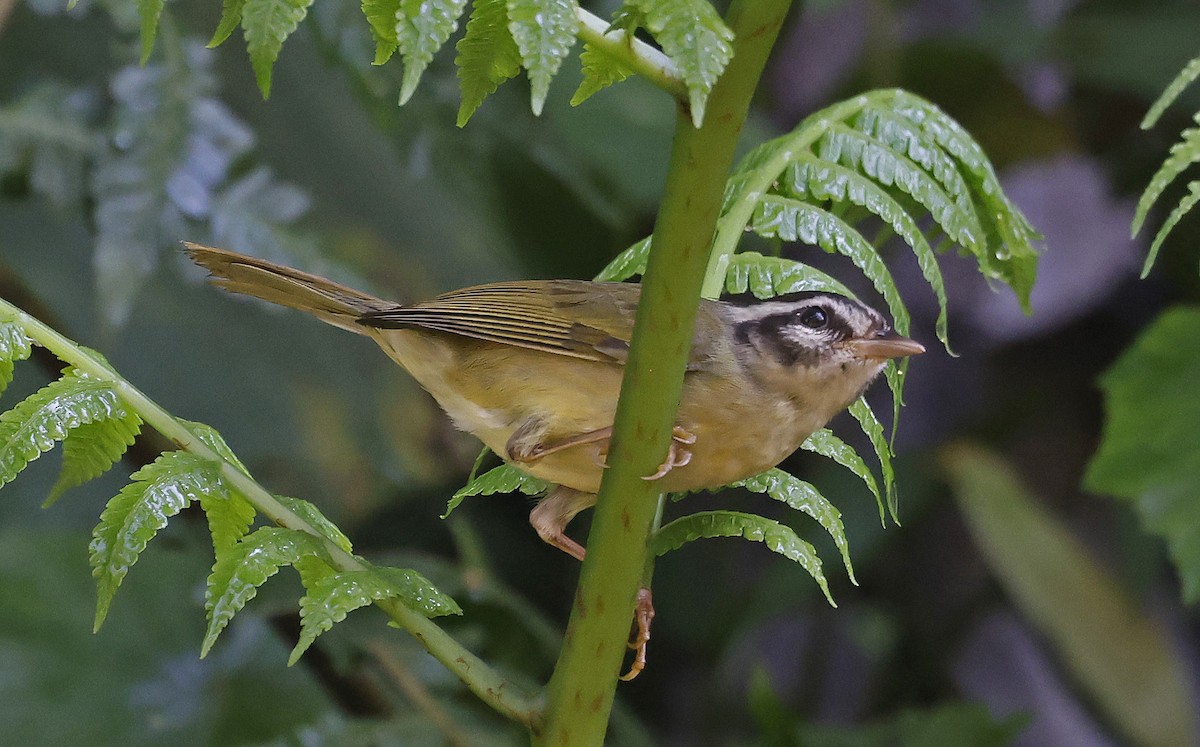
{"x":580,"y":693}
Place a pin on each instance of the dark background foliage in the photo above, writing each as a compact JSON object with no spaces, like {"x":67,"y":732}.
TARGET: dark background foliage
{"x":105,"y":165}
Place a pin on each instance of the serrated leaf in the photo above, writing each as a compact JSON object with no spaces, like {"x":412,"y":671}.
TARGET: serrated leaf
{"x":1123,"y":658}
{"x":861,"y":411}
{"x":544,"y":31}
{"x":487,"y":55}
{"x":231,"y":18}
{"x":422,"y":27}
{"x":1150,"y":451}
{"x":767,"y":277}
{"x":793,"y":220}
{"x":630,"y":262}
{"x":229,"y":517}
{"x":149,"y":12}
{"x":338,"y":594}
{"x":235,"y":578}
{"x":48,"y":416}
{"x":825,"y":443}
{"x":92,"y":448}
{"x":803,"y":496}
{"x":693,"y":35}
{"x":317,"y":520}
{"x":14,"y":346}
{"x":1186,"y":76}
{"x":1186,"y":203}
{"x":599,"y":72}
{"x":382,"y":17}
{"x":156,"y":492}
{"x":266,"y":24}
{"x":778,"y":538}
{"x":502,"y":479}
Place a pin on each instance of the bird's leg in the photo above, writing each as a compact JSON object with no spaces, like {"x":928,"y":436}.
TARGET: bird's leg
{"x":550,"y":518}
{"x":524,"y":445}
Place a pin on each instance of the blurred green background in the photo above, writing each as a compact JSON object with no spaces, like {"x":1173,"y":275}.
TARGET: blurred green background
{"x":1012,"y":606}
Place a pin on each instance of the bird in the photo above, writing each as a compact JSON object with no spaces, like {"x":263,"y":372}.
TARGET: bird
{"x":533,"y":369}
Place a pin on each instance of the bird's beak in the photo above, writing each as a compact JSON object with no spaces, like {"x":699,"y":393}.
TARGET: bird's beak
{"x":886,"y":345}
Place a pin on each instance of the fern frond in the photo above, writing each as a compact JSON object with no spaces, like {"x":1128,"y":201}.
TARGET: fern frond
{"x":231,"y":18}
{"x":381,"y":16}
{"x":266,"y":24}
{"x":157,"y":492}
{"x":317,"y":520}
{"x":544,"y":31}
{"x":766,"y":277}
{"x":93,"y":448}
{"x":487,"y":55}
{"x":825,"y":443}
{"x":694,"y":36}
{"x":1186,"y":203}
{"x":422,"y":27}
{"x":861,"y":411}
{"x":14,"y":346}
{"x":778,"y":538}
{"x":502,"y":479}
{"x":149,"y":11}
{"x":599,"y":72}
{"x":1186,"y":77}
{"x":630,"y":262}
{"x":49,"y":415}
{"x":803,"y":496}
{"x":236,"y":576}
{"x":333,"y":596}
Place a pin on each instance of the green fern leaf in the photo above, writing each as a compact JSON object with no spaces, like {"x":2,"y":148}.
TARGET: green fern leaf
{"x":777,"y":537}
{"x":235,"y":578}
{"x":422,"y":27}
{"x":231,"y":18}
{"x":338,"y":594}
{"x":487,"y":56}
{"x":157,"y":492}
{"x":317,"y":520}
{"x":544,"y":31}
{"x":381,"y":17}
{"x":792,"y":220}
{"x":1185,"y":78}
{"x":149,"y":11}
{"x":826,"y":180}
{"x":1182,"y":154}
{"x":229,"y":517}
{"x":599,"y":72}
{"x":767,"y":277}
{"x":1186,"y":203}
{"x":266,"y":25}
{"x":213,"y":440}
{"x":502,"y":479}
{"x":14,"y":346}
{"x":49,"y":415}
{"x":1010,"y":255}
{"x":826,"y":444}
{"x":802,"y":496}
{"x":862,"y":412}
{"x":693,"y":35}
{"x":630,"y":262}
{"x":92,"y":448}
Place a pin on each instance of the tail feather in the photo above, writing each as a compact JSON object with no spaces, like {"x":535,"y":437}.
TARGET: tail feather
{"x":329,"y":301}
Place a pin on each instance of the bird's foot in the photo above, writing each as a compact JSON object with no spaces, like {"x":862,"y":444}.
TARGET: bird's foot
{"x":643,"y":615}
{"x":678,"y":455}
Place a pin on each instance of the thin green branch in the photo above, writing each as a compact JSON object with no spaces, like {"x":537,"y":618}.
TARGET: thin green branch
{"x":580,"y":693}
{"x":640,"y":57}
{"x":480,"y":678}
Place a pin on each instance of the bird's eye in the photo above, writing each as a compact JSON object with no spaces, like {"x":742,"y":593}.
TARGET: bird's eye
{"x":814,"y":317}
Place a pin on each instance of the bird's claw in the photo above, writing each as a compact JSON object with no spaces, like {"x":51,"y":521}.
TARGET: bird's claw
{"x":642,"y":617}
{"x":677,"y":455}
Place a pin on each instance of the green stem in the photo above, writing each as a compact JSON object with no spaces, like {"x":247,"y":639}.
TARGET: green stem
{"x":580,"y":693}
{"x":481,"y":679}
{"x":635,"y":54}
